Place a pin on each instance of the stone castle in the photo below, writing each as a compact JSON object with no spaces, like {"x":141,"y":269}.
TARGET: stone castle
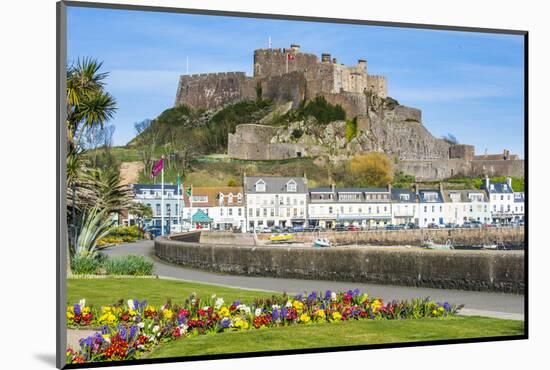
{"x":289,"y":76}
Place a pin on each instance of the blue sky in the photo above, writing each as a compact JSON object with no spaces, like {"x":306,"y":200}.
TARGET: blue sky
{"x":467,"y":84}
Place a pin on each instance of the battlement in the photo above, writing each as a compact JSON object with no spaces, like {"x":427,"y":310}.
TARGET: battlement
{"x":215,"y":74}
{"x":377,"y":84}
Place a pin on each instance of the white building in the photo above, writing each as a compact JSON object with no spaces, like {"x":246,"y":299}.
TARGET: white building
{"x":224,"y":205}
{"x":363,"y":207}
{"x":405,"y":207}
{"x":432,"y":207}
{"x":150,"y":195}
{"x":275,"y":201}
{"x":502,"y":201}
{"x":466,"y":205}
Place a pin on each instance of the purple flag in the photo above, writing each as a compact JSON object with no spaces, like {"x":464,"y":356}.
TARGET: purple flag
{"x":157,"y":167}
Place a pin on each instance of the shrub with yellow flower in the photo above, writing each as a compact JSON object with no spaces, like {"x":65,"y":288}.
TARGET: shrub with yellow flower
{"x":336,"y":316}
{"x":298,"y":306}
{"x":304,"y":318}
{"x":241,"y":324}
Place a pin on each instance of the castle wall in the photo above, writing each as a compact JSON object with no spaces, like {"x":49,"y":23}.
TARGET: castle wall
{"x":210,"y":90}
{"x":462,"y":151}
{"x":429,"y":170}
{"x":288,"y":87}
{"x":354,"y":104}
{"x":378,"y":85}
{"x":514,"y":168}
{"x":272,"y":62}
{"x":350,"y":79}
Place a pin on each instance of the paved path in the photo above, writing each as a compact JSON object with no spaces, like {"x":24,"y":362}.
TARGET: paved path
{"x":476,"y":303}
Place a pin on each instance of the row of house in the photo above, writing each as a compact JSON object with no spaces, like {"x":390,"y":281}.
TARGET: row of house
{"x":267,"y":201}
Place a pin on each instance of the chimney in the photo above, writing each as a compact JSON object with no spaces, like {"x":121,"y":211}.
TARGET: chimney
{"x":441,"y":187}
{"x":509,"y":182}
{"x":506,"y":154}
{"x":362,"y":63}
{"x":295,"y":48}
{"x":389,"y":188}
{"x":333,"y":187}
{"x":334,"y":61}
{"x":487,"y":181}
{"x":415,"y":187}
{"x":325,"y":58}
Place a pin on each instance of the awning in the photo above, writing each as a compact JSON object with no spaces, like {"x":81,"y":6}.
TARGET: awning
{"x":201,"y":217}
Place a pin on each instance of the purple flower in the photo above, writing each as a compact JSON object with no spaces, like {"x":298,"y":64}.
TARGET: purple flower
{"x":226,"y":321}
{"x":327,"y":295}
{"x":142,"y":305}
{"x":356,"y":291}
{"x":77,"y":309}
{"x":447,"y":306}
{"x":182,"y":320}
{"x":136,"y":303}
{"x":284,"y":311}
{"x":133,"y":331}
{"x":105,"y":330}
{"x":275,"y":314}
{"x":236,"y":303}
{"x":298,"y":297}
{"x":312,"y":296}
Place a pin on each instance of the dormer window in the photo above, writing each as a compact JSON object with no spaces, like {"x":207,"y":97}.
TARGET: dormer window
{"x":291,"y":186}
{"x":492,"y":187}
{"x":455,"y":197}
{"x":230,"y":198}
{"x":404,"y":196}
{"x":430,"y":197}
{"x":476,"y":197}
{"x":260,"y":186}
{"x":239,"y":198}
{"x":505,"y":187}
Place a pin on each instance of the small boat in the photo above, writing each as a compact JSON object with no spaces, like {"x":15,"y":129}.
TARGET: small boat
{"x":494,"y":246}
{"x":429,"y":244}
{"x":285,"y":237}
{"x":322,"y":242}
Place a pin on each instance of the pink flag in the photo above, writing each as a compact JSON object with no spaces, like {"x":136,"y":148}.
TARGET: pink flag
{"x":157,"y":167}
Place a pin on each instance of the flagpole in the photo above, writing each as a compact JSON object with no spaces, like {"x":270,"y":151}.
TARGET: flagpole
{"x":162,"y":200}
{"x":286,"y":60}
{"x":179,"y":205}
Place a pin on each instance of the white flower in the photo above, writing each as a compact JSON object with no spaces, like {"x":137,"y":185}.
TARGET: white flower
{"x":141,"y":325}
{"x":155,"y":328}
{"x":258,"y":311}
{"x":288,"y":304}
{"x":206,"y":308}
{"x":213,"y":296}
{"x":275,"y":306}
{"x":131,"y":305}
{"x":219,"y":303}
{"x":193,"y":301}
{"x":82,"y":302}
{"x":333,"y":296}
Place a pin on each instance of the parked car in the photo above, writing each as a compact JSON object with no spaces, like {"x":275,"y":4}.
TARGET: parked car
{"x":390,"y":227}
{"x":476,"y":224}
{"x":412,"y":226}
{"x":433,"y":226}
{"x":451,"y":225}
{"x":353,"y":227}
{"x":298,"y":229}
{"x":340,"y":227}
{"x":277,"y":229}
{"x":265,"y":230}
{"x":319,"y":229}
{"x":402,"y":227}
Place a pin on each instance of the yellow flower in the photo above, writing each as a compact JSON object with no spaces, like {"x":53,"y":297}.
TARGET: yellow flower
{"x":364,"y":297}
{"x":132,"y":312}
{"x":167,"y":314}
{"x":305,"y":318}
{"x":298,"y":305}
{"x":240,"y":324}
{"x":320,"y":314}
{"x":85,"y":310}
{"x":376,"y":304}
{"x":336,"y":316}
{"x":150,"y":308}
{"x":224,"y":311}
{"x":107,"y":318}
{"x":434,"y":312}
{"x":441,"y":309}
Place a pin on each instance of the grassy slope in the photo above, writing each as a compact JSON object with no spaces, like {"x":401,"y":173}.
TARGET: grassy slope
{"x":109,"y":290}
{"x":340,"y":334}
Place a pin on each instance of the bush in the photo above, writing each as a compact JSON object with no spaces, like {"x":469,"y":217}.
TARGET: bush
{"x":87,"y":265}
{"x":128,"y":265}
{"x":231,"y":182}
{"x":351,"y":129}
{"x":297,"y":133}
{"x":322,"y":110}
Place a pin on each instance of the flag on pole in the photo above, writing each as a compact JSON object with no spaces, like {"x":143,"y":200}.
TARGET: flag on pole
{"x":179,"y":185}
{"x":157,"y":167}
{"x":291,"y":57}
{"x":189,"y":191}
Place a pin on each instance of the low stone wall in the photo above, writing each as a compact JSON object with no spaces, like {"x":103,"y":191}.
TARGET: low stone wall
{"x":514,"y":236}
{"x":500,"y":271}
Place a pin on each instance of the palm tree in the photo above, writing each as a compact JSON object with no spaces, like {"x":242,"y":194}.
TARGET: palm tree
{"x":88,"y":104}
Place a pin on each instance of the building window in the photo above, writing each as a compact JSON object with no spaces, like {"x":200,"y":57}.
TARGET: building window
{"x":260,"y":186}
{"x":329,"y":210}
{"x":502,"y":197}
{"x":404,"y":196}
{"x":265,"y":212}
{"x":240,"y":211}
{"x":221,"y":211}
{"x":272,"y":212}
{"x":240,"y":198}
{"x":250,"y":212}
{"x":257,"y":212}
{"x":230,"y":211}
{"x":425,"y":208}
{"x":291,"y":186}
{"x":433,"y":209}
{"x":158,"y":209}
{"x":230,"y":198}
{"x":199,"y":198}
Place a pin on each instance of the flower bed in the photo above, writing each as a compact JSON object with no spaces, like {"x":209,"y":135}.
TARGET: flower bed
{"x":128,"y":330}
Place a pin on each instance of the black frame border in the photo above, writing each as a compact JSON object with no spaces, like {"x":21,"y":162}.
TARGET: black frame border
{"x":61,"y":225}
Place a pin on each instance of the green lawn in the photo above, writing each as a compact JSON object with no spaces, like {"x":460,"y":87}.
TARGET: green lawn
{"x":339,"y":334}
{"x":109,"y":290}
